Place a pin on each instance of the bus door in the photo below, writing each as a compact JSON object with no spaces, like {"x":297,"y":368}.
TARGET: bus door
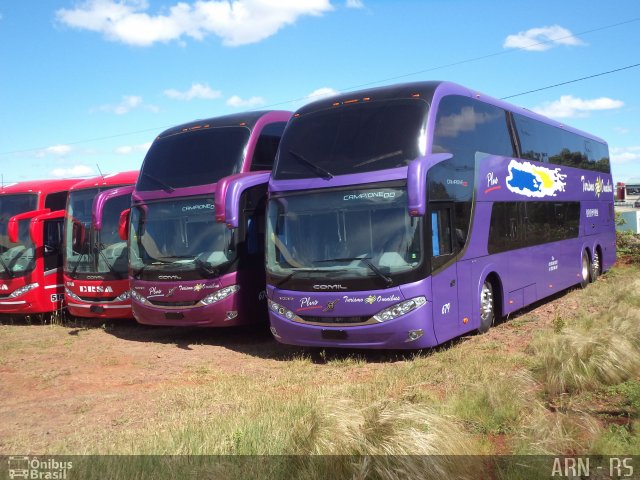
{"x":444,"y":278}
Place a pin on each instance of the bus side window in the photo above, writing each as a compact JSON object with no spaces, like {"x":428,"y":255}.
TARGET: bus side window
{"x":52,"y":242}
{"x":56,"y":201}
{"x":441,"y":237}
{"x":267,"y":146}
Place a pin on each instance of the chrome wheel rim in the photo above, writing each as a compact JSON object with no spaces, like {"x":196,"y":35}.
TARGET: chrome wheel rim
{"x":585,"y":268}
{"x":596,"y":263}
{"x":486,"y":302}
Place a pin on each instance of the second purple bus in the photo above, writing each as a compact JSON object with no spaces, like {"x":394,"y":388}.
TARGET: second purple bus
{"x":404,"y":216}
{"x":196,"y":238}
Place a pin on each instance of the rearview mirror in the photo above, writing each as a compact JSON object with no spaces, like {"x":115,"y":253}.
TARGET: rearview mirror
{"x":123,"y":224}
{"x":13,"y":226}
{"x":77,"y":236}
{"x":417,"y":181}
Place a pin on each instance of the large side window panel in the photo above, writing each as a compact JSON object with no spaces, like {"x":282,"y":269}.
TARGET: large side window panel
{"x":550,"y":144}
{"x":469,"y":130}
{"x":267,"y":146}
{"x":56,"y":201}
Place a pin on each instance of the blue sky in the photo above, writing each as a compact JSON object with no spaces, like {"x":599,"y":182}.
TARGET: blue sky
{"x":91,"y":83}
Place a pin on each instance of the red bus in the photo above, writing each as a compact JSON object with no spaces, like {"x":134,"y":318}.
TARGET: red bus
{"x":31,"y":222}
{"x":96,"y":259}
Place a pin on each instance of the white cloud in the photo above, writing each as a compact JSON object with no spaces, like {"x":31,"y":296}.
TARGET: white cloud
{"x":236,"y":22}
{"x":542,"y":38}
{"x":569,"y":106}
{"x":236,"y":101}
{"x":323,"y":92}
{"x":197,"y":90}
{"x":128,"y":103}
{"x":129,"y":149}
{"x":354,"y":4}
{"x":58,"y":149}
{"x":625,"y":154}
{"x":75,"y":171}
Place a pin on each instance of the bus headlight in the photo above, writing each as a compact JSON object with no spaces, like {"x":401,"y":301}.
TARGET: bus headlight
{"x":72,"y":295}
{"x":280,"y":310}
{"x":126,"y":295}
{"x":220,"y":294}
{"x":137,"y":297}
{"x":399,"y":309}
{"x":22,"y":290}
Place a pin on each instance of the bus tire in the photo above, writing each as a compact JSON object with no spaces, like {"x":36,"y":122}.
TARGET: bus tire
{"x":595,"y":266}
{"x":487,"y":307}
{"x":585,"y":270}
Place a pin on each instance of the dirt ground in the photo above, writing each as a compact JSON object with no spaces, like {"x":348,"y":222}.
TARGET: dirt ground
{"x":54,"y":379}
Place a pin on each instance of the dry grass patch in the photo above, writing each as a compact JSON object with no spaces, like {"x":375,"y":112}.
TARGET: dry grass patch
{"x":593,"y":350}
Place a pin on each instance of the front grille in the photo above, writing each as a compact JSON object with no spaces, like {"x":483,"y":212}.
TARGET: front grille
{"x":330,"y":320}
{"x":158,"y":303}
{"x":97,"y":299}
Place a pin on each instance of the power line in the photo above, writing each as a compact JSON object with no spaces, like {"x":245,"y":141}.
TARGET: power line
{"x":397,"y":77}
{"x":572,"y":81}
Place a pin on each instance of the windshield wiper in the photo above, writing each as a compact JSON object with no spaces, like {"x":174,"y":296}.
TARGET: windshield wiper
{"x":295,"y":272}
{"x":138,"y":272}
{"x":321,"y":172}
{"x":366,"y":260}
{"x":75,"y":267}
{"x":106,"y":260}
{"x":165,"y":187}
{"x":7,"y":269}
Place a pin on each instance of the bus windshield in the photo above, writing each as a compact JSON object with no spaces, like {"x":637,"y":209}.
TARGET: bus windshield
{"x":197,"y":157}
{"x":355,"y":232}
{"x":89,"y":251}
{"x":179,"y":235}
{"x":357,"y":138}
{"x":16,"y":259}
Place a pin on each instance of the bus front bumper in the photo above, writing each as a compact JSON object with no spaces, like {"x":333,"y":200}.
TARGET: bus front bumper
{"x":410,"y":331}
{"x":99,"y":310}
{"x":224,"y":313}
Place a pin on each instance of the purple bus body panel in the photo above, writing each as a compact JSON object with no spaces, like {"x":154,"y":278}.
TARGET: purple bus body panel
{"x":338,"y":181}
{"x":102,"y":198}
{"x":524,"y":275}
{"x":234,"y":191}
{"x":269,"y":117}
{"x":391,"y":334}
{"x":220,"y":199}
{"x":186,"y":291}
{"x":529,"y":274}
{"x":416,"y":188}
{"x":144,"y":196}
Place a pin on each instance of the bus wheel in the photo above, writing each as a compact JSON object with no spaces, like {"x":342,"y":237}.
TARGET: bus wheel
{"x":487,"y":307}
{"x":585,"y":270}
{"x":595,"y":266}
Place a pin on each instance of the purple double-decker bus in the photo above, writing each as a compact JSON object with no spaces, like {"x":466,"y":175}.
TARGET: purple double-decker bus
{"x":196,"y":258}
{"x":404,"y":216}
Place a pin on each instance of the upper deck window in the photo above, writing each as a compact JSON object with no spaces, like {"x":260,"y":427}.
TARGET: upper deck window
{"x":197,"y":157}
{"x":546,"y":143}
{"x":355,"y":138}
